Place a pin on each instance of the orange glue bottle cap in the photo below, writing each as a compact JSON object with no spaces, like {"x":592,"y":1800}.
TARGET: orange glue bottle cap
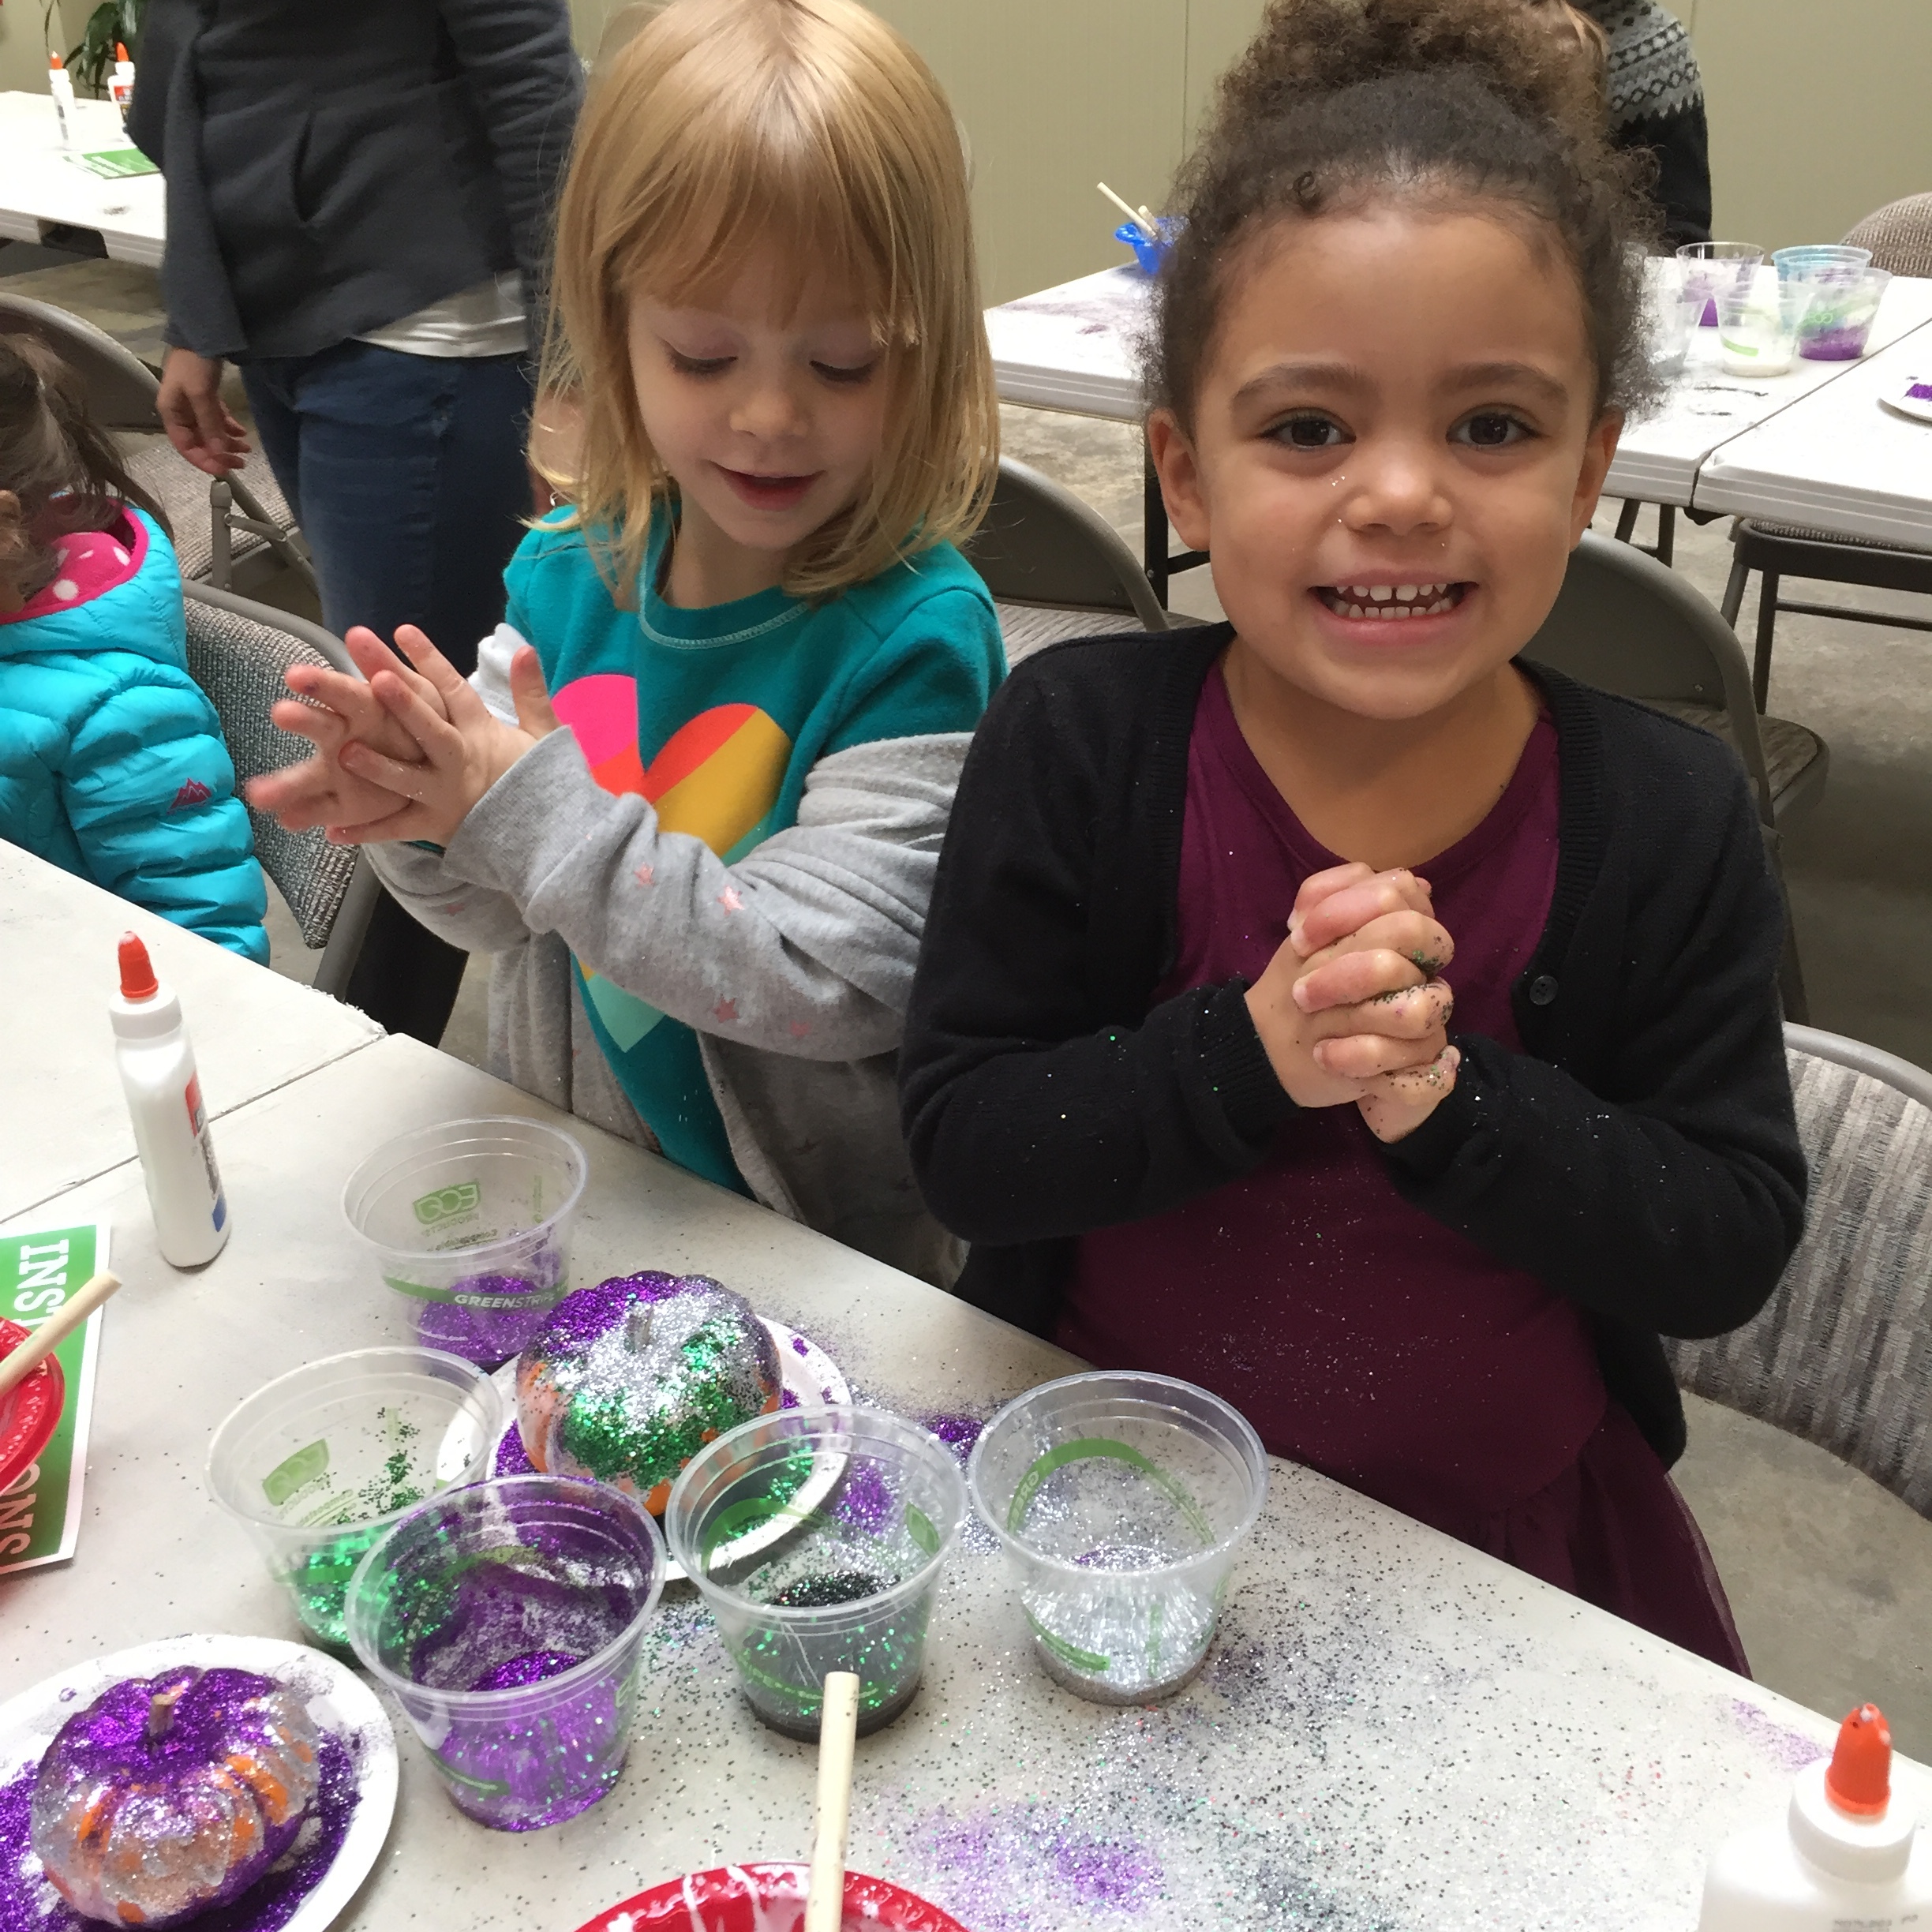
{"x":1858,"y":1782}
{"x":137,"y":973}
{"x":121,"y":52}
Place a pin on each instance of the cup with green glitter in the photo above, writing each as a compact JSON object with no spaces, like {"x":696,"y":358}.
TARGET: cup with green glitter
{"x":1121,"y":1500}
{"x":817,"y":1536}
{"x":318,"y":1463}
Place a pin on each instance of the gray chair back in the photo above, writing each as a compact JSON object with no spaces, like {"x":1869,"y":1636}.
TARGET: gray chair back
{"x":1898,"y":235}
{"x":1625,"y":623}
{"x":1842,"y":1354}
{"x":237,"y":653}
{"x":1055,"y":567}
{"x":121,"y":388}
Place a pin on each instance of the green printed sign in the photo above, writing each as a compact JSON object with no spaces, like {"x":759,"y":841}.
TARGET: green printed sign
{"x":40,"y":1510}
{"x":117,"y":163}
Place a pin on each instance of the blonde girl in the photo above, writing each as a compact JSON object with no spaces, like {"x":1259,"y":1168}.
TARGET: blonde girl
{"x":693,"y":798}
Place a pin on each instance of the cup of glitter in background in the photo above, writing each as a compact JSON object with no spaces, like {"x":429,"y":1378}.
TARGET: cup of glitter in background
{"x":1758,"y":328}
{"x":1714,"y":269}
{"x":1121,"y":1500}
{"x":318,"y":1463}
{"x":471,"y":1220}
{"x":1820,"y":261}
{"x":817,"y":1536}
{"x":1675,"y":295}
{"x":1838,"y":325}
{"x":506,"y":1620}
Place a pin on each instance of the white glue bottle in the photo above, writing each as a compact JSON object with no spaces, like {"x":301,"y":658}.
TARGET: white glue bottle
{"x":1847,"y":1857}
{"x":170,"y":1124}
{"x":60,"y":84}
{"x":121,"y":88}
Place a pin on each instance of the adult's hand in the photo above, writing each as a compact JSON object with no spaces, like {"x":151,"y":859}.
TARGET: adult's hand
{"x":196,"y":420}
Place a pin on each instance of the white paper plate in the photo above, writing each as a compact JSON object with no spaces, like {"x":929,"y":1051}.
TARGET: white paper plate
{"x":338,"y":1701}
{"x":1903,"y":403}
{"x":805,"y":1372}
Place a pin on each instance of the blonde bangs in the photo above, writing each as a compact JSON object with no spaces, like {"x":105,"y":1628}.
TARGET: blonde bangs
{"x":810,"y":127}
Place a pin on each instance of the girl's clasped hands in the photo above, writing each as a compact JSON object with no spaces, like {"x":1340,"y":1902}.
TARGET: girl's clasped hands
{"x":1352,"y":1008}
{"x":405,"y":755}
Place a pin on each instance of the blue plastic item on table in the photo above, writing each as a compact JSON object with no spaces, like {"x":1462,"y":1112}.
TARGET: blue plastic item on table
{"x":1149,"y":250}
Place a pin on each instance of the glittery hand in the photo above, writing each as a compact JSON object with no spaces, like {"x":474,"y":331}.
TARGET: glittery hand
{"x":461,"y":749}
{"x":334,"y":709}
{"x":1334,"y":904}
{"x":1399,"y":1103}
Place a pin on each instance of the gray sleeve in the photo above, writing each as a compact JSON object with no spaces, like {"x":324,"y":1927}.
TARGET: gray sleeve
{"x":465,"y":915}
{"x":806,"y":947}
{"x":527,"y":83}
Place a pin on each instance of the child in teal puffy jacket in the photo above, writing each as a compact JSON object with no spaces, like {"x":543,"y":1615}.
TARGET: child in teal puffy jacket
{"x":111,"y":760}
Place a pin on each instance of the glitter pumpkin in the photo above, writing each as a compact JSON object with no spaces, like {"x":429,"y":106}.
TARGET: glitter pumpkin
{"x":628,"y":1380}
{"x":170,"y":1796}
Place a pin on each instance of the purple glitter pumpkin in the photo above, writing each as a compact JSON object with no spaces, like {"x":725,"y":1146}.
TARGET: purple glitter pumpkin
{"x":170,"y":1796}
{"x":628,"y":1380}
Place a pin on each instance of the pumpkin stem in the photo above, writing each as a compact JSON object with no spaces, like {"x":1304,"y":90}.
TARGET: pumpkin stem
{"x":638,"y":1327}
{"x":161,"y":1712}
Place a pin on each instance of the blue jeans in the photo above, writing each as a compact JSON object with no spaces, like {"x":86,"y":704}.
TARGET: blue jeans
{"x":407,"y":475}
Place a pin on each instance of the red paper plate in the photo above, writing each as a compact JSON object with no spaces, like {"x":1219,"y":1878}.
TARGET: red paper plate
{"x":739,"y":1898}
{"x":30,"y":1412}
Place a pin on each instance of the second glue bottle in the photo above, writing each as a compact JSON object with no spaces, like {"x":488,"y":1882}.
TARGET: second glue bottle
{"x":157,"y":1068}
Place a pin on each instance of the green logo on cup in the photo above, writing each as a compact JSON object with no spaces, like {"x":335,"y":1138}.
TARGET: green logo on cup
{"x":291,"y":1476}
{"x":460,"y":1197}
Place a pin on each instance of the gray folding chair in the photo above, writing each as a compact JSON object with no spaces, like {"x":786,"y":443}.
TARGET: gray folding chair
{"x":1625,"y":623}
{"x":217,"y":523}
{"x":1056,"y":569}
{"x":237,"y":653}
{"x":1842,"y":1354}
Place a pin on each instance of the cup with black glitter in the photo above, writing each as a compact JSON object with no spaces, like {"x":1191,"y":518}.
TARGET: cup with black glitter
{"x":507,"y":1620}
{"x":817,"y":1536}
{"x":471,"y":1221}
{"x":316,"y":1465}
{"x":1121,"y":1500}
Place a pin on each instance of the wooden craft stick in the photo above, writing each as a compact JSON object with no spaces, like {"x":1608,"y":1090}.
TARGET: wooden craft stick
{"x":1139,"y":220}
{"x":838,"y":1728}
{"x":69,"y":1316}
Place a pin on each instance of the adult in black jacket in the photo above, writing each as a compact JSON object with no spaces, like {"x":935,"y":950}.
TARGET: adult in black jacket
{"x":1640,"y":1156}
{"x":358,"y":202}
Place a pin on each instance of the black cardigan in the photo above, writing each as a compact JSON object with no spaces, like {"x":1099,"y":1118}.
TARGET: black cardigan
{"x":335,"y":165}
{"x":1640,"y":1156}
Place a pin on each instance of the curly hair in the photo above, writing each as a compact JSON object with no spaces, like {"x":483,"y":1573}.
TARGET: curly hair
{"x":61,"y":469}
{"x":1339,"y":105}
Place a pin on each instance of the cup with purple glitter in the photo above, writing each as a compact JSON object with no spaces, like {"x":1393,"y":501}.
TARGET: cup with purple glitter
{"x":1121,"y":1500}
{"x":838,"y":1578}
{"x":316,"y":1464}
{"x":471,"y":1220}
{"x":1715,"y":269}
{"x":1838,"y":325}
{"x":507,"y":1619}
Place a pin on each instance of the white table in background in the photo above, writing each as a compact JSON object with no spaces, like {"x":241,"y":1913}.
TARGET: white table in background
{"x":43,"y":185}
{"x":1393,"y":1730}
{"x":1838,"y":460}
{"x":1071,"y":348}
{"x":64,"y":1118}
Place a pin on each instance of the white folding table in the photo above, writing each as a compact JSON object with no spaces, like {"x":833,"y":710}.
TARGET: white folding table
{"x":1392,"y":1729}
{"x":44,"y":186}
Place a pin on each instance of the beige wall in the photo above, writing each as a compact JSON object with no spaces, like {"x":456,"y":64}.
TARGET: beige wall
{"x":23,"y":55}
{"x":1819,"y":113}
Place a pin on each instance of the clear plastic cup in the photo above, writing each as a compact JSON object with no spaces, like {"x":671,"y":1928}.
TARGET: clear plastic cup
{"x":1838,"y":325}
{"x":817,"y":1536}
{"x":317,"y":1464}
{"x":1821,"y":261}
{"x":1675,"y":299}
{"x":1120,"y":1499}
{"x":1714,"y":268}
{"x":506,"y":1619}
{"x":472,"y":1220}
{"x":1758,"y":329}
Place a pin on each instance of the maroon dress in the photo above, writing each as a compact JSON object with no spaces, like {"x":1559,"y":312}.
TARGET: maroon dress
{"x":1359,"y":1335}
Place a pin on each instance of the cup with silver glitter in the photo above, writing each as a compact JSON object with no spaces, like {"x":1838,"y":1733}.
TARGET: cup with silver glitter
{"x":1121,"y":1500}
{"x":817,"y":1536}
{"x":317,"y":1463}
{"x":507,"y":1619}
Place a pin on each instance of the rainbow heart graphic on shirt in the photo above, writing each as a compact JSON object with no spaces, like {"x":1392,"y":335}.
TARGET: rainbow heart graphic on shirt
{"x":716,"y":778}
